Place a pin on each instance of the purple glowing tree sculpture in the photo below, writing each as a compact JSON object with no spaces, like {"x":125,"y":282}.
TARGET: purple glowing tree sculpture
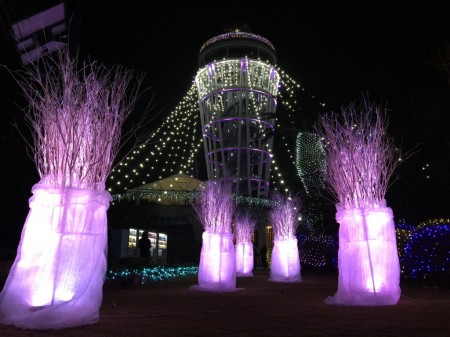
{"x":243,"y":229}
{"x":217,"y":269}
{"x":75,"y":114}
{"x":361,"y":159}
{"x":285,"y":259}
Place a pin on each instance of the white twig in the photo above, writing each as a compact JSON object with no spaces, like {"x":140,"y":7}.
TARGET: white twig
{"x":215,"y":207}
{"x":76,"y":113}
{"x":244,"y":227}
{"x":361,"y":158}
{"x":283,"y":216}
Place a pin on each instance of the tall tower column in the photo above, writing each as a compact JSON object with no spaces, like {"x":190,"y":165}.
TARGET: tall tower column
{"x":238,"y":86}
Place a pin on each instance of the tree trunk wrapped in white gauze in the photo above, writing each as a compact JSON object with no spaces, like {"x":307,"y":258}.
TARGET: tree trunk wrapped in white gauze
{"x":215,"y":208}
{"x":285,"y":259}
{"x":361,"y":159}
{"x":75,"y":115}
{"x":243,"y":228}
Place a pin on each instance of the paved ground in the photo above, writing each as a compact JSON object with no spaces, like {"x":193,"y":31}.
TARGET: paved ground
{"x":259,"y":308}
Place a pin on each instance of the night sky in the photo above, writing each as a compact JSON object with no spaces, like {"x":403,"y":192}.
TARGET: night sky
{"x":336,"y":51}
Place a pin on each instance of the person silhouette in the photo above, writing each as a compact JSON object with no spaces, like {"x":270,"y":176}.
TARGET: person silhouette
{"x":144,"y":245}
{"x":263,"y":256}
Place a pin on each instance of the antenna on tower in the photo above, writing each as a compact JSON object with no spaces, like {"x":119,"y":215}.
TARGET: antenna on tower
{"x":237,"y":26}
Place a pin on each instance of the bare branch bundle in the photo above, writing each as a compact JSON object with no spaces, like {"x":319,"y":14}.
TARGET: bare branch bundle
{"x":216,"y":206}
{"x":361,"y":158}
{"x":244,"y":227}
{"x":76,"y":114}
{"x":283,"y":216}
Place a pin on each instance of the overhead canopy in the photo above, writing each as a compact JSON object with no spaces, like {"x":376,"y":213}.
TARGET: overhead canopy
{"x":177,"y":182}
{"x":173,"y":190}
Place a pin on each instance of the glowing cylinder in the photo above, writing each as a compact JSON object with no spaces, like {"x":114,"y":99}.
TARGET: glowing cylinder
{"x":285,"y":261}
{"x":244,"y":259}
{"x":369,"y":268}
{"x":57,"y":278}
{"x":217,"y":269}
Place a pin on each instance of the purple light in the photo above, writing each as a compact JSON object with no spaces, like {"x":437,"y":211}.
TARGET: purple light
{"x":285,"y":261}
{"x":361,"y":159}
{"x":244,"y":65}
{"x":217,"y":269}
{"x":368,"y":263}
{"x":272,"y":73}
{"x":56,"y":279}
{"x":211,"y":70}
{"x":239,"y":89}
{"x":209,"y":125}
{"x":265,"y":154}
{"x":244,"y":259}
{"x":243,"y":230}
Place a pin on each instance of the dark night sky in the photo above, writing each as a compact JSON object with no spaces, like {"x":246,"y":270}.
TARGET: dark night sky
{"x":337,"y":50}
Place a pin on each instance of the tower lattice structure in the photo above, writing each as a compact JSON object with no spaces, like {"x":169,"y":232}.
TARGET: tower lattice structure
{"x":237,"y":87}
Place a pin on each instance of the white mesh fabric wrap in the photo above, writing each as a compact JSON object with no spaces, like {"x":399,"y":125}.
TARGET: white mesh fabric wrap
{"x":244,"y":258}
{"x":217,"y":269}
{"x":56,"y":280}
{"x":285,"y":261}
{"x":369,"y":268}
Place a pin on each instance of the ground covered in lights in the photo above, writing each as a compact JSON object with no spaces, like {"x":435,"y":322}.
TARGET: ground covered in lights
{"x":162,"y":302}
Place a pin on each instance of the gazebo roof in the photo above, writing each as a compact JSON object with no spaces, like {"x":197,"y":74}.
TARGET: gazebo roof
{"x":177,"y":182}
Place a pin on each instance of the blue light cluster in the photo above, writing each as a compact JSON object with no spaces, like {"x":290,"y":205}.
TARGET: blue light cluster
{"x":427,"y":253}
{"x":405,"y":226}
{"x":153,"y":274}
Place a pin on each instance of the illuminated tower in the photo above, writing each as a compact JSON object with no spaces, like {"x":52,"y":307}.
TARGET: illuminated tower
{"x":237,"y":86}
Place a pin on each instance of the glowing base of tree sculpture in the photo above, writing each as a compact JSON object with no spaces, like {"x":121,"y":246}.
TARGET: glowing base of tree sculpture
{"x":217,"y":269}
{"x":57,"y":278}
{"x":244,"y":259}
{"x":285,"y":261}
{"x":369,"y":268}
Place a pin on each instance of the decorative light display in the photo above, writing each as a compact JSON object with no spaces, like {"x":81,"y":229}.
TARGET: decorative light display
{"x":426,"y":254}
{"x":311,"y":165}
{"x":310,"y":162}
{"x":318,"y":251}
{"x":243,"y":230}
{"x":237,"y":99}
{"x":158,"y":195}
{"x":176,"y":146}
{"x":285,"y":261}
{"x":153,"y":274}
{"x":172,"y":148}
{"x":236,"y":34}
{"x":403,"y":233}
{"x":217,"y":269}
{"x":360,"y":161}
{"x":76,"y":114}
{"x":312,"y":218}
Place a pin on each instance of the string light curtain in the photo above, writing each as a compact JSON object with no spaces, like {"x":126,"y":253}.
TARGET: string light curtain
{"x":361,"y":159}
{"x":75,"y":113}
{"x":310,"y":164}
